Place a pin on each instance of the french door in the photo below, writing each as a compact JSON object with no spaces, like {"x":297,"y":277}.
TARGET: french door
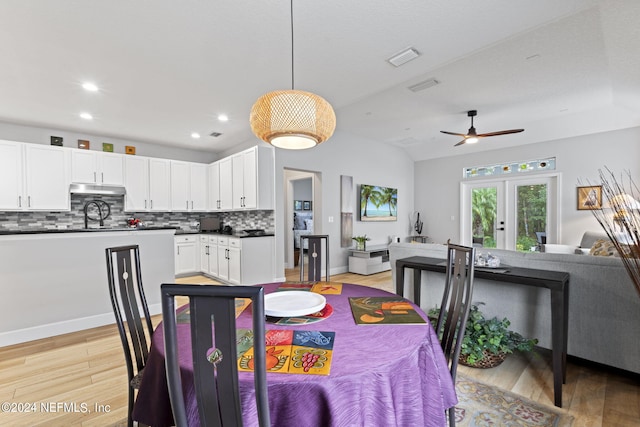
{"x":507,"y":213}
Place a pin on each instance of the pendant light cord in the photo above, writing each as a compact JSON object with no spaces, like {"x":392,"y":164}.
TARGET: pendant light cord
{"x":292,"y":70}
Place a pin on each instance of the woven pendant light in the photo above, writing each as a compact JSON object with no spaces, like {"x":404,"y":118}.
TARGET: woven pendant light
{"x":292,"y":119}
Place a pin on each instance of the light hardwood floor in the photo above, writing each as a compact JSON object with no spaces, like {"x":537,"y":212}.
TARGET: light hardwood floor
{"x":88,"y":368}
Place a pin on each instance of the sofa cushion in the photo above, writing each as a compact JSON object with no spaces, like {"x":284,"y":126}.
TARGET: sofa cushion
{"x":603,"y":247}
{"x":589,"y":238}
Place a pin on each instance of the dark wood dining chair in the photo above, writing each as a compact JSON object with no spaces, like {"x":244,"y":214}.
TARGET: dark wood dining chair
{"x":454,"y":310}
{"x":314,"y":253}
{"x":213,"y":344}
{"x":131,"y":312}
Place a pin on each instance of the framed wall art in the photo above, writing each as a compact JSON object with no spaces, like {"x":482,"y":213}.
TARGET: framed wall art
{"x":84,"y":144}
{"x":589,"y":197}
{"x":306,"y":205}
{"x":129,"y":149}
{"x":297,"y":205}
{"x":107,"y":147}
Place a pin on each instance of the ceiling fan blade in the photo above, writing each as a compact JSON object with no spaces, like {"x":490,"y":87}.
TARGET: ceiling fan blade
{"x":453,"y":133}
{"x":501,"y":132}
{"x":461,"y":142}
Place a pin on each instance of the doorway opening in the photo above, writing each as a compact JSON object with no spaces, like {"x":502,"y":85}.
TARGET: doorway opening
{"x":303,"y":208}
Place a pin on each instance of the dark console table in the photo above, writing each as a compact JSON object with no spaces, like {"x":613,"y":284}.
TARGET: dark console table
{"x":556,"y":281}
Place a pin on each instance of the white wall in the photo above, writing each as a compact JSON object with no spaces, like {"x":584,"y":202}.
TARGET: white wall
{"x":369,"y":163}
{"x":437,"y":182}
{"x":37,"y":135}
{"x":302,"y":189}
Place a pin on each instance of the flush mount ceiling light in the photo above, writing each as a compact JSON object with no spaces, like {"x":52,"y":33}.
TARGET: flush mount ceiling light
{"x":292,"y":119}
{"x":88,"y":86}
{"x":86,"y":116}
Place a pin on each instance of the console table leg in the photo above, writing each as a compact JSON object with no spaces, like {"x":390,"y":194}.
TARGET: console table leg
{"x":400,"y":279}
{"x":558,"y":342}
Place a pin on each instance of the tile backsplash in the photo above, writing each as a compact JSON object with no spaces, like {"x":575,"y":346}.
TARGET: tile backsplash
{"x":118,"y":218}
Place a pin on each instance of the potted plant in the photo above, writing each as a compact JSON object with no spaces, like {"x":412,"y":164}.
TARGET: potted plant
{"x":361,"y":242}
{"x":487,"y":342}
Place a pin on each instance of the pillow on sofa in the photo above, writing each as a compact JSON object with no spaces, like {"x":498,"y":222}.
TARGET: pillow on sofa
{"x":603,"y":247}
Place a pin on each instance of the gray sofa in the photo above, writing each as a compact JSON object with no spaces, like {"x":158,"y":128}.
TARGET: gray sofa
{"x":604,"y":308}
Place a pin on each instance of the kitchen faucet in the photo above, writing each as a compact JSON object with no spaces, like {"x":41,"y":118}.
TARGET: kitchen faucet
{"x":103,"y":212}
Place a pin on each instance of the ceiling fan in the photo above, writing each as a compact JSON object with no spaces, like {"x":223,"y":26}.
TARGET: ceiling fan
{"x":472,"y":137}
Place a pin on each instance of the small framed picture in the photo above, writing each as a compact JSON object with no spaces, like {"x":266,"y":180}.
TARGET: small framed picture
{"x":306,"y":205}
{"x":107,"y":147}
{"x":56,"y":140}
{"x":84,"y":144}
{"x":590,"y":197}
{"x":129,"y":149}
{"x":297,"y":205}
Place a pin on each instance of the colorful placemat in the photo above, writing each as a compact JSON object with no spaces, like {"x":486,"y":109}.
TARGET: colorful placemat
{"x":303,"y":320}
{"x":383,"y":311}
{"x":325,"y":288}
{"x":289,"y":352}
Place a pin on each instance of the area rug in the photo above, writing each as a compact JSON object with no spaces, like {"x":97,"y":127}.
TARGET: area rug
{"x":485,"y":405}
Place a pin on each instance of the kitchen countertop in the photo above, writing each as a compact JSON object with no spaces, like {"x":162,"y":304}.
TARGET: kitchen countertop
{"x":78,"y":230}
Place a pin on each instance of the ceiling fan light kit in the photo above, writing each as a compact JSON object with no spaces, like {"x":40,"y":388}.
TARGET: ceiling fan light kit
{"x":292,"y":119}
{"x":472,"y":136}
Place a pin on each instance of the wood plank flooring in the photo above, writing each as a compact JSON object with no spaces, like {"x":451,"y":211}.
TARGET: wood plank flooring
{"x":87,"y":368}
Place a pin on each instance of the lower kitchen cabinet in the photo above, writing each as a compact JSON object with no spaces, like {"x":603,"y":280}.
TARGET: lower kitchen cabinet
{"x":237,"y":261}
{"x":186,"y":254}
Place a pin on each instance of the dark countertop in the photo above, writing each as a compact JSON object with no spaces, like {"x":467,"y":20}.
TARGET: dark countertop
{"x":243,"y":234}
{"x":78,"y":230}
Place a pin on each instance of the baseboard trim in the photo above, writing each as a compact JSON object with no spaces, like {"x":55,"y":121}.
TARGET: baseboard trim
{"x":49,"y":330}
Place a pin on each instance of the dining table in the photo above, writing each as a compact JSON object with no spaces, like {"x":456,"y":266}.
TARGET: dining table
{"x":379,"y":374}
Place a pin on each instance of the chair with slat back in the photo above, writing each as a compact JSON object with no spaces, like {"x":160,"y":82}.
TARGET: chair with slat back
{"x":131,"y":312}
{"x":314,"y":253}
{"x":213,"y":342}
{"x":456,"y":302}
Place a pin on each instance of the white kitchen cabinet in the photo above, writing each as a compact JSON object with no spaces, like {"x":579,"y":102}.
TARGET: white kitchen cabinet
{"x":240,"y":261}
{"x":223,"y":258}
{"x":147,"y":181}
{"x":186,"y":254}
{"x":188,"y":186}
{"x":11,"y":175}
{"x":159,"y":185}
{"x":235,"y":261}
{"x":209,"y":255}
{"x":136,"y":182}
{"x":47,"y":178}
{"x":34,"y":177}
{"x":96,"y":167}
{"x":224,"y":181}
{"x":253,"y":178}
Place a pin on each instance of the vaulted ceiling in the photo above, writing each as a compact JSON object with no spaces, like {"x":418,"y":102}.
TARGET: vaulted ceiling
{"x":166,"y":69}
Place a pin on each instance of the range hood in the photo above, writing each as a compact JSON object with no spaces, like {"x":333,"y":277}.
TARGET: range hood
{"x":107,"y":190}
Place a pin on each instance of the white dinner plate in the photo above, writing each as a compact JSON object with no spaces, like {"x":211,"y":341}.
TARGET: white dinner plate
{"x":293,"y":303}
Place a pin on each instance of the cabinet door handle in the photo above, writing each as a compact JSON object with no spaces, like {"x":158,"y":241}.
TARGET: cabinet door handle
{"x":94,"y":177}
{"x":19,"y":201}
{"x":187,"y":205}
{"x":102,"y":177}
{"x":151,"y":204}
{"x":145,"y":203}
{"x":206,"y":250}
{"x":192,"y":205}
{"x":28,"y":201}
{"x":178,"y":250}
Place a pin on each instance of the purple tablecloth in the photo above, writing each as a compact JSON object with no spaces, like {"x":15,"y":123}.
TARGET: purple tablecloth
{"x":381,"y":375}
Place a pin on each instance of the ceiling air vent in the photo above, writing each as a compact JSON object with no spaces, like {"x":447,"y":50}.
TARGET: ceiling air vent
{"x":215,"y":134}
{"x":423,"y":85}
{"x":403,"y":57}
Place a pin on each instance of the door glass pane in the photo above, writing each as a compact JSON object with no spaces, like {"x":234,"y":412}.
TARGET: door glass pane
{"x":531,"y":215}
{"x":483,"y":216}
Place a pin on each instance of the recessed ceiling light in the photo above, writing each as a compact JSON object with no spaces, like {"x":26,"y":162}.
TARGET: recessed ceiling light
{"x":223,"y":117}
{"x":90,"y":87}
{"x":195,"y":135}
{"x":86,"y":116}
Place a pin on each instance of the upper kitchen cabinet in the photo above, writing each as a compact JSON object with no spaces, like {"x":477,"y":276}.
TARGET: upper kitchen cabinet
{"x":188,"y":186}
{"x":253,"y":178}
{"x":34,"y":177}
{"x":96,"y":167}
{"x":147,"y":181}
{"x":11,"y":175}
{"x":220,"y":188}
{"x":46,"y":178}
